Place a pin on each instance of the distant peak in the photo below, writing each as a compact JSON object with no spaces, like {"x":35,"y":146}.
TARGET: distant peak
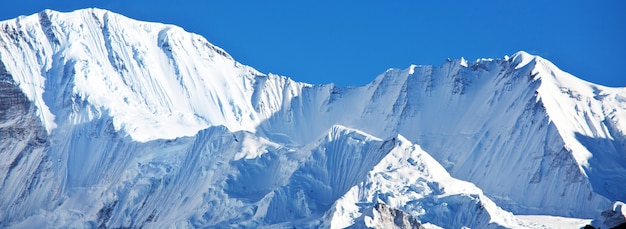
{"x":463,"y":62}
{"x":521,"y":58}
{"x":412,"y":68}
{"x":522,"y":54}
{"x":85,"y":10}
{"x":78,"y":11}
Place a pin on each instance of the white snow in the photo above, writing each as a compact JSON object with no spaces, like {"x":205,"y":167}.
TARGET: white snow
{"x":150,"y":125}
{"x":521,"y":59}
{"x":546,"y":221}
{"x":409,"y":179}
{"x":463,"y":63}
{"x":157,"y":81}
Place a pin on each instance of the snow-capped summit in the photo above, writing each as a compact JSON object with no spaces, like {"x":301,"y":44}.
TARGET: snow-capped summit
{"x":107,"y":121}
{"x":521,"y":58}
{"x":156,"y":81}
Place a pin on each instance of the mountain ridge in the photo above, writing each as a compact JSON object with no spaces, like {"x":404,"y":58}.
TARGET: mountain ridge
{"x":119,"y":89}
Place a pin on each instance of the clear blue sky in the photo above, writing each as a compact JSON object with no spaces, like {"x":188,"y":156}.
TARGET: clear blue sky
{"x":351,"y":42}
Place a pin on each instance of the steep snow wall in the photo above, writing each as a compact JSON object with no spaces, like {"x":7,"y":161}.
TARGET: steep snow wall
{"x":486,"y":122}
{"x":156,"y":81}
{"x":409,"y":179}
{"x":26,"y":167}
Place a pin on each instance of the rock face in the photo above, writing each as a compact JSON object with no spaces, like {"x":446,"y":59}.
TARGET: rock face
{"x":615,"y":217}
{"x":25,"y":167}
{"x":106,"y":121}
{"x":385,"y":217}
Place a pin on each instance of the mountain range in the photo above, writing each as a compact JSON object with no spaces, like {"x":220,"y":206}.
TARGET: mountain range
{"x":111,"y":122}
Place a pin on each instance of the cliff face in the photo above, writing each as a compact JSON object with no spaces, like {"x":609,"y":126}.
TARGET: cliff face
{"x":26,"y":167}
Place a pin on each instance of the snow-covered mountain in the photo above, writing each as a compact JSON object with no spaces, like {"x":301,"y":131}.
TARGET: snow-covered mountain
{"x":106,"y":121}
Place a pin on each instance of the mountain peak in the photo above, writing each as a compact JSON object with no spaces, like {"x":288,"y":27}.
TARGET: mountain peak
{"x":521,"y":59}
{"x":148,"y":77}
{"x":463,"y":62}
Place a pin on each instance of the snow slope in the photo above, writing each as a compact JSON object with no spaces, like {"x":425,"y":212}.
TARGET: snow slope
{"x":473,"y":117}
{"x":409,"y":179}
{"x":554,"y":221}
{"x":116,"y":122}
{"x":156,"y":81}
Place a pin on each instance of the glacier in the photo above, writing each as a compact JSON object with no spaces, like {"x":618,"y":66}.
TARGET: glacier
{"x":107,"y":121}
